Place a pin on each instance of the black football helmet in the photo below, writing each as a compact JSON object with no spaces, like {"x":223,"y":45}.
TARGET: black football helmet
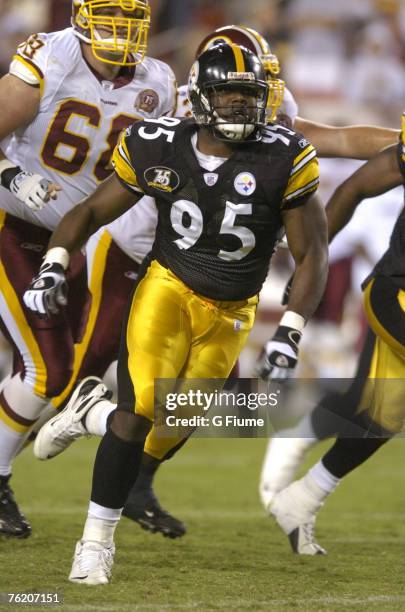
{"x":255,"y":42}
{"x":228,"y":92}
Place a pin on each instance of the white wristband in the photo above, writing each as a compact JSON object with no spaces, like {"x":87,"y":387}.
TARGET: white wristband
{"x":6,"y":164}
{"x":293,"y":320}
{"x":58,"y":255}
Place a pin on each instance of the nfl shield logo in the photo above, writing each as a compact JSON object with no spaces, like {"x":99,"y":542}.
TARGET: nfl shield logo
{"x":210,"y":178}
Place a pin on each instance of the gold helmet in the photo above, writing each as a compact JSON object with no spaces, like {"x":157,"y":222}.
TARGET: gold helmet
{"x":119,"y":39}
{"x":252,"y":40}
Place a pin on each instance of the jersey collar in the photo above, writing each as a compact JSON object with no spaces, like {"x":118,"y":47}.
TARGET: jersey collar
{"x":124,"y":77}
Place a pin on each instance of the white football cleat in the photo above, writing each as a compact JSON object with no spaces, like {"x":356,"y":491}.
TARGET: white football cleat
{"x":283,"y":457}
{"x":92,"y":563}
{"x":64,"y":428}
{"x":294,"y":509}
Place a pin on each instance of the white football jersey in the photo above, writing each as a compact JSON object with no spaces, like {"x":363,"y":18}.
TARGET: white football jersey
{"x":289,"y":106}
{"x":183,"y":107}
{"x":72,"y":138}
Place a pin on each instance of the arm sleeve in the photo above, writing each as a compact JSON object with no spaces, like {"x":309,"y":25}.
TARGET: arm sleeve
{"x":304,"y":179}
{"x":30,"y":61}
{"x":121,"y":161}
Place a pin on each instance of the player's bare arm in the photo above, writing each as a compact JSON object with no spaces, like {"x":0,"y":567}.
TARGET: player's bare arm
{"x":306,"y":232}
{"x":19,"y":103}
{"x":356,"y":141}
{"x":108,"y":202}
{"x":374,"y":178}
{"x":48,"y":291}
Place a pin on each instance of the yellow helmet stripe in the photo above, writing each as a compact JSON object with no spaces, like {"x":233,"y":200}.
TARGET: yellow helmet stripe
{"x":239,"y":59}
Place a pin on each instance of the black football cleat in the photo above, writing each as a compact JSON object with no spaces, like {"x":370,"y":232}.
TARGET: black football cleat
{"x":13,"y":523}
{"x":143,"y":507}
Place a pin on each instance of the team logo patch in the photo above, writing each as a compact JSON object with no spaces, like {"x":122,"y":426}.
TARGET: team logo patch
{"x":245,"y":183}
{"x":282,"y":361}
{"x":210,"y":178}
{"x":147,"y":101}
{"x":162,"y":178}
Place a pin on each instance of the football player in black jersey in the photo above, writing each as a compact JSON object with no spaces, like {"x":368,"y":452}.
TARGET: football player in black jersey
{"x":376,"y":396}
{"x":359,"y":141}
{"x":225,"y":184}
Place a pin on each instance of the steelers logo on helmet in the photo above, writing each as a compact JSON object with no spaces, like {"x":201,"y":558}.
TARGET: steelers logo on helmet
{"x":117,"y":30}
{"x":229,"y":93}
{"x":245,"y":183}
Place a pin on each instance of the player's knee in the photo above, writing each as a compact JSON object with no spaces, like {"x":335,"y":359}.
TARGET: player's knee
{"x":129,"y":426}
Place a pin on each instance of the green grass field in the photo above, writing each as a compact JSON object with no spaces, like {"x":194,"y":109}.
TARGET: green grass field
{"x":233,"y":557}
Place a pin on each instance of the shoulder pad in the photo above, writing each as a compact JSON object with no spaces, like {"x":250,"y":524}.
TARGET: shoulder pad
{"x":42,"y":53}
{"x":30,"y":60}
{"x":288,"y":141}
{"x":159,"y":77}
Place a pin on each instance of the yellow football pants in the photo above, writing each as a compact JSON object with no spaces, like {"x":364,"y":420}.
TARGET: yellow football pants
{"x":384,"y":392}
{"x":174,"y":333}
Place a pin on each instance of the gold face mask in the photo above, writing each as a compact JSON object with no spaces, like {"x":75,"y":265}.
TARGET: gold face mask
{"x":117,"y":30}
{"x":276,"y":85}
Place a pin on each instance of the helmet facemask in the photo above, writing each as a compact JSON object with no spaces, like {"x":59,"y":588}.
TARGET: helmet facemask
{"x":276,"y":85}
{"x":116,"y":37}
{"x":233,"y":110}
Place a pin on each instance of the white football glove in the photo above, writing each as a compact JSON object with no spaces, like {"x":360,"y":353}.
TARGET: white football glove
{"x":47,"y":291}
{"x":279,"y":355}
{"x":32,"y":189}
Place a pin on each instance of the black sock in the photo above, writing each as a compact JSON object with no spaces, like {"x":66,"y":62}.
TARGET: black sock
{"x":145,"y":477}
{"x":331,"y":415}
{"x":348,"y":453}
{"x":144,"y":482}
{"x":115,"y":470}
{"x":109,"y":419}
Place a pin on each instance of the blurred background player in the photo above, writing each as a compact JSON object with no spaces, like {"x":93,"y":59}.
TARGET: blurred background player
{"x":200,"y":270}
{"x":376,"y":399}
{"x":131,"y":234}
{"x":66,"y":98}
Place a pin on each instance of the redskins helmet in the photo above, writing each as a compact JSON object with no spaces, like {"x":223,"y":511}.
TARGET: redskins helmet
{"x":125,"y":35}
{"x":222,"y":82}
{"x":252,"y":40}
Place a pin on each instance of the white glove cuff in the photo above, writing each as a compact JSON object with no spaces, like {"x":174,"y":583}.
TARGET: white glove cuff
{"x":293,"y":320}
{"x":6,"y":164}
{"x":58,"y":255}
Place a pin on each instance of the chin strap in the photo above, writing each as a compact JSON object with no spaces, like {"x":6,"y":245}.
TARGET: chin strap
{"x":233,"y":131}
